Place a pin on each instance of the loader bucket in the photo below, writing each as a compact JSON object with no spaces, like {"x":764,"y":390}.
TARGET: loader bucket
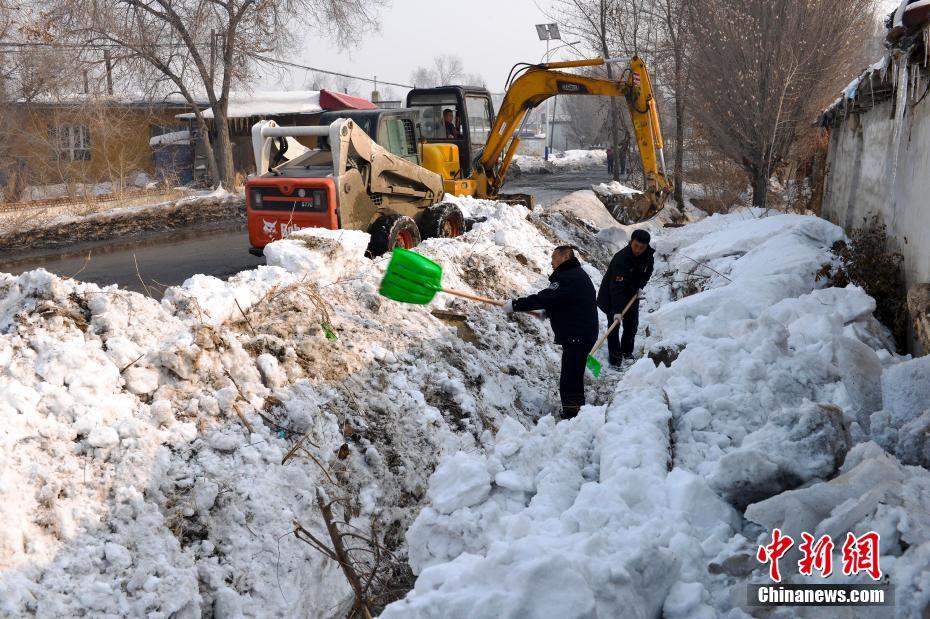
{"x":411,"y":278}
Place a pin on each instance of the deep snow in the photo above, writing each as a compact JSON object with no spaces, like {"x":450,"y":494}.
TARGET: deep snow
{"x":634,"y":508}
{"x":132,"y":487}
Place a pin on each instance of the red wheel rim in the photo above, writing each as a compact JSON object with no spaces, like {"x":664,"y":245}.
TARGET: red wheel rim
{"x":405,"y":239}
{"x":451,"y":228}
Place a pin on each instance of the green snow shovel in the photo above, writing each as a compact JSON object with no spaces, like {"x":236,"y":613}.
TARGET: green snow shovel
{"x":412,"y":278}
{"x":593,"y":364}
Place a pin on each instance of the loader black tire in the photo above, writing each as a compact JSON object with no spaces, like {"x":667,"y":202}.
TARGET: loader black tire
{"x":390,"y":231}
{"x":441,"y":221}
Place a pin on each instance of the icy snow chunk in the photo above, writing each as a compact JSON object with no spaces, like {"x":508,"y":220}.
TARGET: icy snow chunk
{"x":228,"y":604}
{"x":698,"y":504}
{"x":141,"y":380}
{"x":914,"y":441}
{"x":270,"y":370}
{"x":906,"y":390}
{"x":861,"y":372}
{"x":325,"y":256}
{"x":795,"y":446}
{"x":460,"y":481}
{"x":117,"y":555}
{"x":871,"y":476}
{"x":103,"y":436}
{"x":204,"y":493}
{"x":223,"y":442}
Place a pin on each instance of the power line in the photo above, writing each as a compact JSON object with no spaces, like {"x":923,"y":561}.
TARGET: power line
{"x":25,"y":47}
{"x":300,"y":66}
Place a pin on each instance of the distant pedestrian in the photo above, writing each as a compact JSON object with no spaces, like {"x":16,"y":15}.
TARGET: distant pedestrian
{"x":570,"y":304}
{"x":610,"y":160}
{"x":629,"y":271}
{"x":621,"y":161}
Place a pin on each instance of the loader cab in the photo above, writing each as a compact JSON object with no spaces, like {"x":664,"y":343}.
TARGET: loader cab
{"x":393,"y":129}
{"x":473,"y":115}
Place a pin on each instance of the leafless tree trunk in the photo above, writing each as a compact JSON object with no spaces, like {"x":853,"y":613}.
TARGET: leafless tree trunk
{"x":761,"y":69}
{"x":202,"y":48}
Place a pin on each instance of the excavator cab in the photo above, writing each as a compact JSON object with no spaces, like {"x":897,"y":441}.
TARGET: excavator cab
{"x":472,"y":118}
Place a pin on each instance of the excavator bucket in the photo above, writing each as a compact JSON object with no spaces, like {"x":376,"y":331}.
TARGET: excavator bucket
{"x":635,"y":208}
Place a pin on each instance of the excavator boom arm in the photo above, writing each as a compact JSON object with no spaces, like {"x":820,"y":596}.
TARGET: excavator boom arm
{"x":541,"y":82}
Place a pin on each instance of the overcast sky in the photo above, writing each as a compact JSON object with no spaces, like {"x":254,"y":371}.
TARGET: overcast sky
{"x":489,"y":36}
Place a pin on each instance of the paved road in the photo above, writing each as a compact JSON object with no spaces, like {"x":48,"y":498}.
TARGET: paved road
{"x":219,"y":250}
{"x":169,"y":259}
{"x":550,"y":187}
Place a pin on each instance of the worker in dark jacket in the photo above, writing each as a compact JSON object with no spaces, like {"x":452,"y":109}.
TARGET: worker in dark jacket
{"x":570,"y":304}
{"x":629,"y":270}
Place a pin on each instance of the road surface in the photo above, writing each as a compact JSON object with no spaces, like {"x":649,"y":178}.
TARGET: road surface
{"x":219,"y":250}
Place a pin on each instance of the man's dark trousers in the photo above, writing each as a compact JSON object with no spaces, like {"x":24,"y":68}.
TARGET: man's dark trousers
{"x":617,"y":346}
{"x":571,"y":380}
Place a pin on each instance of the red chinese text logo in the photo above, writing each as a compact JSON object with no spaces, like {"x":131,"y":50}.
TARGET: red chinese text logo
{"x":860,"y":554}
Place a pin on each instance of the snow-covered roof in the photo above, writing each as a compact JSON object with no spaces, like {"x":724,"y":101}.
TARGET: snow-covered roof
{"x":269,"y":103}
{"x":129,"y":98}
{"x":285,"y":102}
{"x":875,"y":75}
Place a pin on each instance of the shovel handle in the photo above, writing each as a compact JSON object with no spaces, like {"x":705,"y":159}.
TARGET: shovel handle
{"x":473,"y":297}
{"x":614,"y":324}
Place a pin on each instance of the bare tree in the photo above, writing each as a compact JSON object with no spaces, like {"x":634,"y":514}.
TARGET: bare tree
{"x":201,"y":48}
{"x":675,"y":32}
{"x":448,"y":68}
{"x":591,"y":21}
{"x":474,"y":79}
{"x":760,"y":70}
{"x":421,"y":77}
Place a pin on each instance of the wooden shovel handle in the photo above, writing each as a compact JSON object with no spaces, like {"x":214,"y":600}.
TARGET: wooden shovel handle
{"x":473,"y":297}
{"x":614,"y":324}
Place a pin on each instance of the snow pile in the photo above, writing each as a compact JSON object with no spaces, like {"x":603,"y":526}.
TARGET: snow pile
{"x":587,"y":206}
{"x":558,"y":162}
{"x":143,"y":444}
{"x":170,"y":139}
{"x":614,"y":188}
{"x":632,"y":509}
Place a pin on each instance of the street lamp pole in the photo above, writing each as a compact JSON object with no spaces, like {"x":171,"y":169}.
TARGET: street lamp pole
{"x":548,"y":32}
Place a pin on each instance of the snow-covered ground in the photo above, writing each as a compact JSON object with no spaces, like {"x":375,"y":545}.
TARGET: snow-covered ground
{"x":560,"y":161}
{"x":142,"y":445}
{"x":635,"y":508}
{"x":132,"y":486}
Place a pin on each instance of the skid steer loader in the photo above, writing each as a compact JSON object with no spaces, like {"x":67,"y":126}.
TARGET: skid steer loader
{"x":354,"y":179}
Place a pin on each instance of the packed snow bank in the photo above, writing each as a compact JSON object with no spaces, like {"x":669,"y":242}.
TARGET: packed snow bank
{"x":558,"y":162}
{"x":632,"y":508}
{"x":142,"y":446}
{"x":587,"y":206}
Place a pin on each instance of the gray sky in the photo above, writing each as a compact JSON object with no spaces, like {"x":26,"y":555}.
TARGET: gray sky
{"x":489,"y":36}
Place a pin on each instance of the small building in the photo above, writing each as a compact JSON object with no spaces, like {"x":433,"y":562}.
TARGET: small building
{"x":287,"y":108}
{"x":81,"y":140}
{"x":878,"y":163}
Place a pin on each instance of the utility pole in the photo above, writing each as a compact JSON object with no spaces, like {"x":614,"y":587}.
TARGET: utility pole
{"x":109,"y":64}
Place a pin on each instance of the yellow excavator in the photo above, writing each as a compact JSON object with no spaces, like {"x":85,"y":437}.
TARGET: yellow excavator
{"x":386,"y":171}
{"x":474,"y":151}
